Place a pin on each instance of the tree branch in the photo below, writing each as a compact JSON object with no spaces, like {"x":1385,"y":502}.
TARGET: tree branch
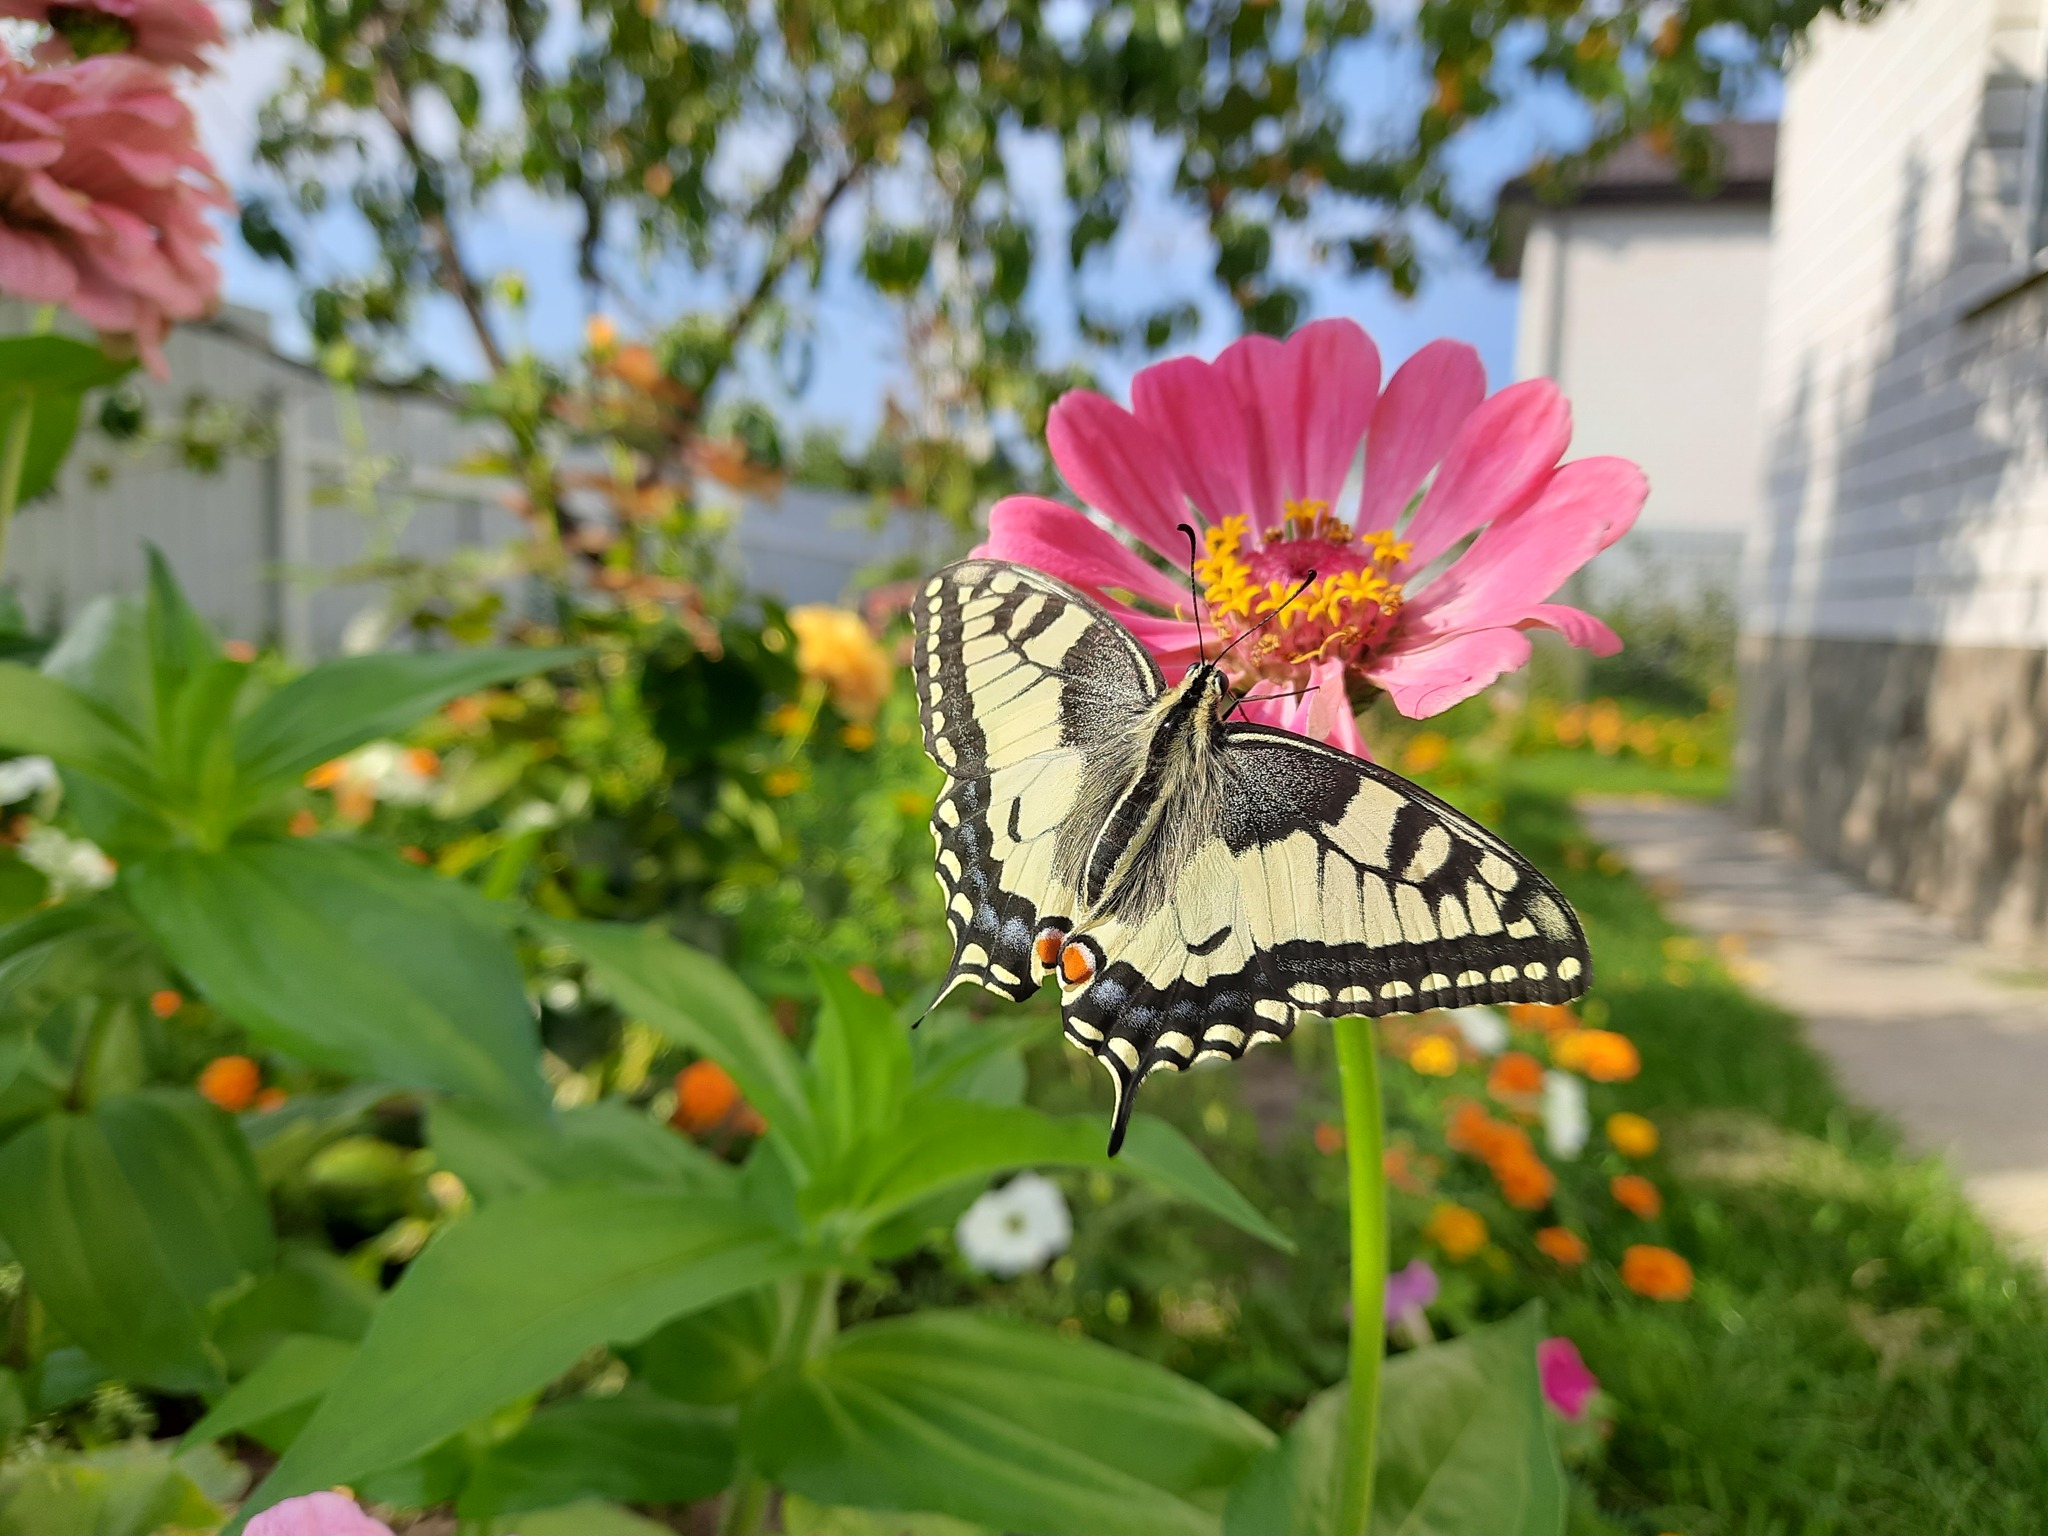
{"x":449,"y":270}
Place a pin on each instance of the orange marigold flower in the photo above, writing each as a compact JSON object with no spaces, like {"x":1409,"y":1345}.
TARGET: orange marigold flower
{"x":271,"y":1099}
{"x":1433,"y":1056}
{"x":834,"y":646}
{"x":1600,"y":1054}
{"x":750,"y":1122}
{"x":166,"y":1003}
{"x":1561,"y":1245}
{"x":303,"y":824}
{"x":1632,"y":1135}
{"x":1548,"y":1017}
{"x":864,"y":977}
{"x":857,"y":736}
{"x":1330,"y":1142}
{"x":1515,"y":1074}
{"x":412,"y":853}
{"x":465,"y":712}
{"x":1526,"y":1181}
{"x":705,"y":1095}
{"x":231,"y":1082}
{"x":1634,"y":1193}
{"x":1459,"y":1231}
{"x":1655,"y":1272}
{"x":783,"y":782}
{"x":238,"y":650}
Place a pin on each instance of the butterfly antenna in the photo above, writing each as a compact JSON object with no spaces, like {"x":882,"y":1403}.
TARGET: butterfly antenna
{"x":1260,"y":698}
{"x":1195,"y":591}
{"x":1300,"y":588}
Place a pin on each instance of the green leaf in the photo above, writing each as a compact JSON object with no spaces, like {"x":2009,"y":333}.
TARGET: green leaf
{"x":860,"y":1063}
{"x":125,"y":1490}
{"x":193,"y":688}
{"x":348,"y":958}
{"x":978,"y":1059}
{"x":1465,"y":1445}
{"x":685,"y":995}
{"x":590,"y":1517}
{"x":496,"y":1154}
{"x":1465,"y":1440}
{"x":310,"y":1291}
{"x":49,"y":376}
{"x":129,"y":1221}
{"x":339,"y":705}
{"x":944,"y":1142}
{"x":1002,"y":1424}
{"x":635,"y":1448}
{"x":40,"y":714}
{"x":506,"y":1300}
{"x":22,"y":887}
{"x":716,"y":1356}
{"x":273,"y":1402}
{"x":802,"y":1517}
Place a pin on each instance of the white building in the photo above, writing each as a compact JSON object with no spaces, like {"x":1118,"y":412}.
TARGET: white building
{"x":1644,"y":299}
{"x":1896,"y":628}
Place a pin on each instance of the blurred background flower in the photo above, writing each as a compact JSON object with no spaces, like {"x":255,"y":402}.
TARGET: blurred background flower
{"x":1019,"y":1227}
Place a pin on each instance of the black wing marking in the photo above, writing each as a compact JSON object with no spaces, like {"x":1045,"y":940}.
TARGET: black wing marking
{"x":1026,"y":689}
{"x":1330,"y":886}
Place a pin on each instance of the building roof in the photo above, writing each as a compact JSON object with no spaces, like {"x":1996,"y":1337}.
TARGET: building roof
{"x":1636,"y":175}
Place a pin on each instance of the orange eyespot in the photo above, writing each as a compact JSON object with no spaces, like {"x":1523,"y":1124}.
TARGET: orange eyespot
{"x":1076,"y":964}
{"x":1049,"y":942}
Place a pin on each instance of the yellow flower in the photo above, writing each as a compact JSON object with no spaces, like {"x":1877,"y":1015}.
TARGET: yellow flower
{"x":1433,"y":1056}
{"x":858,"y":736}
{"x":787,"y":720}
{"x":1632,"y":1135}
{"x":1600,"y":1054}
{"x":835,"y":647}
{"x":1457,"y":1230}
{"x":910,"y":803}
{"x":783,"y":781}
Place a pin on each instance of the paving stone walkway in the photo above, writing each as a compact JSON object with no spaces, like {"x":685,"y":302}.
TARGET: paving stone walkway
{"x":1949,"y":1038}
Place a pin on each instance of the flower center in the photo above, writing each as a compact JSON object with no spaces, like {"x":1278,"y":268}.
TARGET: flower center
{"x":1345,"y":612}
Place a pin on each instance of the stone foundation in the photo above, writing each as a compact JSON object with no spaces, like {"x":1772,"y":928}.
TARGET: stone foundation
{"x":1920,"y":769}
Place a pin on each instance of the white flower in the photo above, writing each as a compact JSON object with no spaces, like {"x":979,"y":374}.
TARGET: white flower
{"x":561,"y":995}
{"x":1483,"y":1028}
{"x":72,"y":864}
{"x":1022,"y":1226}
{"x":26,"y":776}
{"x":1566,"y":1125}
{"x":531,"y":816}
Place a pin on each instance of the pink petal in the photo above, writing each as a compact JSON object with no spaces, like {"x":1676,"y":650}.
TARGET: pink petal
{"x":1174,"y":643}
{"x":1429,"y":679}
{"x":1426,"y":403}
{"x":1576,"y":625}
{"x":1119,"y":467}
{"x":1062,"y":542}
{"x":316,"y":1514}
{"x":1501,"y":458}
{"x":1523,"y":558}
{"x":1303,"y":405}
{"x":1567,"y":1383}
{"x":1194,"y":413}
{"x":33,"y":268}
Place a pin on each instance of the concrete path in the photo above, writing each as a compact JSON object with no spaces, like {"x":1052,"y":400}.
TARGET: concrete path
{"x":1941,"y":1033}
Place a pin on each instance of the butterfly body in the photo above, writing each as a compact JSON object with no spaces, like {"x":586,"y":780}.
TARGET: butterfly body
{"x":1193,"y":883}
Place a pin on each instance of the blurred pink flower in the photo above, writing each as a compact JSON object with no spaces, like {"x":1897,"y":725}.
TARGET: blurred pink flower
{"x":1567,"y":1383}
{"x":316,"y":1514}
{"x":170,"y":32}
{"x":103,"y":198}
{"x":1415,"y":1285}
{"x":1255,"y":449}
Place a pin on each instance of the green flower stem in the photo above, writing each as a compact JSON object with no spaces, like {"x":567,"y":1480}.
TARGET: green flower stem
{"x":13,"y":463}
{"x":812,"y":1324}
{"x":1358,"y":1071}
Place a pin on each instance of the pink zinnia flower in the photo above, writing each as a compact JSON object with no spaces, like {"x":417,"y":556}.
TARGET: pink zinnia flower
{"x":1411,"y":1288}
{"x":103,"y":198}
{"x":1567,"y":1383}
{"x":1256,"y":448}
{"x":316,"y":1514}
{"x":169,"y":32}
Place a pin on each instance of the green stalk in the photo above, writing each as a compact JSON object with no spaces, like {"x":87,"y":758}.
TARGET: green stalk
{"x":810,"y":1325}
{"x":1358,"y":1072}
{"x":13,"y":463}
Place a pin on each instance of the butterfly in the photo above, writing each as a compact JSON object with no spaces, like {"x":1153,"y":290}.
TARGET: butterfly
{"x":1194,"y":883}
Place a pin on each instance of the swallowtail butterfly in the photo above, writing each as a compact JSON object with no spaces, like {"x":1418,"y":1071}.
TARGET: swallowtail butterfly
{"x":1194,"y":883}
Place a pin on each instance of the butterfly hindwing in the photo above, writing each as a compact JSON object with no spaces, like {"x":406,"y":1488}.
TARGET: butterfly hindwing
{"x":1325,"y":885}
{"x":1024,"y":687}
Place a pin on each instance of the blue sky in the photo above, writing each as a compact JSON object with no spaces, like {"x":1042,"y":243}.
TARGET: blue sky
{"x":857,"y":349}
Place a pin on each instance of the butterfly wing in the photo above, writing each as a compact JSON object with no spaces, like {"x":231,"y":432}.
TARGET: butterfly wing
{"x":1029,"y":694}
{"x":1323,"y":885}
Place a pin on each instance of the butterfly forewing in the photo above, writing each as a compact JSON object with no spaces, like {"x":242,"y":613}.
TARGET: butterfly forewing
{"x":1028,"y":693}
